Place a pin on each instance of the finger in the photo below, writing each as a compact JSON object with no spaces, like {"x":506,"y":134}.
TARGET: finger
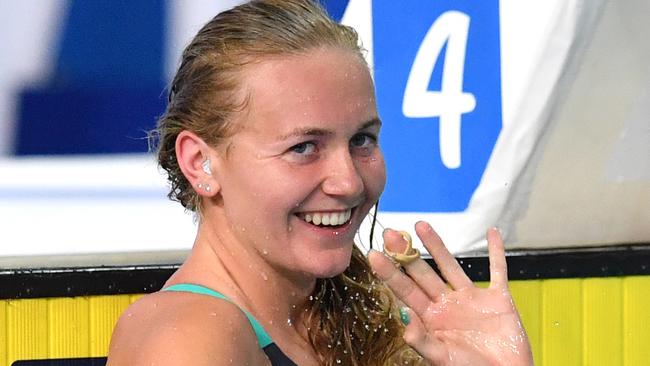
{"x":402,"y":286}
{"x":416,"y":336}
{"x":427,"y":279}
{"x":497,"y":255}
{"x":449,"y":267}
{"x":421,"y":272}
{"x":394,"y":241}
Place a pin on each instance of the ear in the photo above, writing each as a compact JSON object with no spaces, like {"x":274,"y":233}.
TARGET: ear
{"x":191,"y":154}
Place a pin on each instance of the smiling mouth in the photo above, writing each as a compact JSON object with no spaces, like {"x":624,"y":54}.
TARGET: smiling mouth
{"x":327,"y":219}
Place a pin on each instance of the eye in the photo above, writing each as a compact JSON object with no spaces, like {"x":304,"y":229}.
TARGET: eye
{"x":363,"y":140}
{"x":304,"y":148}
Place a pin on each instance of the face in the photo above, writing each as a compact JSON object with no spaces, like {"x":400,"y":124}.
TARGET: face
{"x":305,"y":167}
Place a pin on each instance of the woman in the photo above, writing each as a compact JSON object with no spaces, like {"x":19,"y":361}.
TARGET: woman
{"x":271,"y":137}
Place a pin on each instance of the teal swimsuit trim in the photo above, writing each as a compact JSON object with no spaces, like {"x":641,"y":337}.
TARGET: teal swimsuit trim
{"x":262,"y":337}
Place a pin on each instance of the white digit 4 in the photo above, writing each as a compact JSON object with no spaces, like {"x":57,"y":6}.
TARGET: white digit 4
{"x":450,"y":102}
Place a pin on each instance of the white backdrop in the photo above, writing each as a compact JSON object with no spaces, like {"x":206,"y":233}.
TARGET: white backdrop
{"x":117,"y":204}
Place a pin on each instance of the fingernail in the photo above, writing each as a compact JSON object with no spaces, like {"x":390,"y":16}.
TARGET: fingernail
{"x":404,"y":316}
{"x":424,"y":225}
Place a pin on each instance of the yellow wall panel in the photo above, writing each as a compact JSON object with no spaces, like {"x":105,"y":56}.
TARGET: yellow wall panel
{"x":636,"y":320}
{"x":562,"y":322}
{"x":104,"y":312}
{"x":27,"y":329}
{"x":602,"y":327}
{"x":3,"y":333}
{"x":591,"y":322}
{"x":528,"y":298}
{"x":134,"y":298}
{"x":68,"y":327}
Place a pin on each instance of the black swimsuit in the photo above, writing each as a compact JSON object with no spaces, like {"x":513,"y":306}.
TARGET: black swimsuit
{"x":271,"y":350}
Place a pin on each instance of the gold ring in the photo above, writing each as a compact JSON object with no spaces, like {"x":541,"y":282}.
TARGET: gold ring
{"x":409,"y":255}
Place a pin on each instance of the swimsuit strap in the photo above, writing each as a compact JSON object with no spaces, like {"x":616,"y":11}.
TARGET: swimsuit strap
{"x":262,"y":337}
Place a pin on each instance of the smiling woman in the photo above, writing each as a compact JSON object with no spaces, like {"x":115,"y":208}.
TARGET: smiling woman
{"x":271,"y":136}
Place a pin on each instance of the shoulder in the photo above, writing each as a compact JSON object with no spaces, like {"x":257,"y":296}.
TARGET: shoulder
{"x":172,"y":328}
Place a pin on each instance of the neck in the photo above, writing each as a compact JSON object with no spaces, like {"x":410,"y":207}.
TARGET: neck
{"x":277,"y":298}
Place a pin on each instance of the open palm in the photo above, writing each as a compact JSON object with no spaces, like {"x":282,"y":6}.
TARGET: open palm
{"x":455,"y":322}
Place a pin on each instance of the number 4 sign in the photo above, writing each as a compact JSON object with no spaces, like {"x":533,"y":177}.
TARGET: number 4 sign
{"x":437,"y":72}
{"x":450,"y":102}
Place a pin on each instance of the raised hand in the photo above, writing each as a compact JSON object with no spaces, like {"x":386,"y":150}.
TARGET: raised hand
{"x":455,"y":322}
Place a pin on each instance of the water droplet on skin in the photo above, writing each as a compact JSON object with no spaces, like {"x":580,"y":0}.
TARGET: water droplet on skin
{"x":264,"y":276}
{"x":265,"y":252}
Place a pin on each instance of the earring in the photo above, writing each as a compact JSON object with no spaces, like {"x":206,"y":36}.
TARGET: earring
{"x":204,"y":186}
{"x":206,"y":166}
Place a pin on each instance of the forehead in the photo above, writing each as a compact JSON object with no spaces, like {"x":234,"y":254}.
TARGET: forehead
{"x":322,"y":86}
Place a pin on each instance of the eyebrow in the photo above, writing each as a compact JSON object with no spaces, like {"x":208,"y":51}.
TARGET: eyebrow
{"x":316,"y":131}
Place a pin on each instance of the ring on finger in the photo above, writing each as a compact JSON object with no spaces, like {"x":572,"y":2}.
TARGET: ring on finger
{"x":409,"y":255}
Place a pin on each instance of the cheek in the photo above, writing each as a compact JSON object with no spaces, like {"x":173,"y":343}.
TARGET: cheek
{"x":278,"y":189}
{"x":374,"y":173}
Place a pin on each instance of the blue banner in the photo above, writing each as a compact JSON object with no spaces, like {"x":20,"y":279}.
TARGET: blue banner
{"x":437,"y":73}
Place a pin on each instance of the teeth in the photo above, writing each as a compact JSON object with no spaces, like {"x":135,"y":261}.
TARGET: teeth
{"x":328,"y":218}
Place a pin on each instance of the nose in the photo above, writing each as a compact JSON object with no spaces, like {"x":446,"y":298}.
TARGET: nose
{"x":342,"y":177}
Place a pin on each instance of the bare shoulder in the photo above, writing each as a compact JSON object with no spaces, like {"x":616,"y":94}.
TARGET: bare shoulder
{"x":172,"y":328}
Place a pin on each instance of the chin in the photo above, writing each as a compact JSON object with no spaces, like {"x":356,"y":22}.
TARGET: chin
{"x":330,"y":267}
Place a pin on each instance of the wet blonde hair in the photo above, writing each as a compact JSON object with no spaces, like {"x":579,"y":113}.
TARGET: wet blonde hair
{"x":352,"y":319}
